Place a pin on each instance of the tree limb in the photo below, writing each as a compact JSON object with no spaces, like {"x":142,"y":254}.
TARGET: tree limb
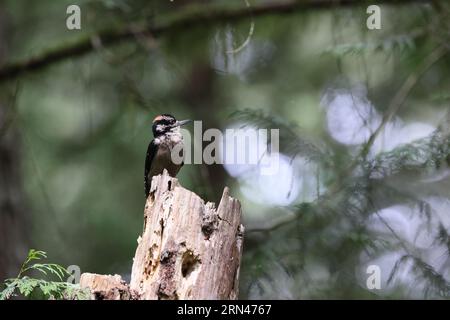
{"x":184,"y":20}
{"x":403,"y":179}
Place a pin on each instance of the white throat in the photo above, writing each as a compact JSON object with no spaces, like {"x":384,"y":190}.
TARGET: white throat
{"x":170,"y":138}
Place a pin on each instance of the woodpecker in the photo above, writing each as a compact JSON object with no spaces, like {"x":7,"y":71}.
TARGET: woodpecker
{"x":167,"y":135}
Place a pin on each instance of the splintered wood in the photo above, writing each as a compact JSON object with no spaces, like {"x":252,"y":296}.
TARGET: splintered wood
{"x":106,"y":287}
{"x":188,"y":249}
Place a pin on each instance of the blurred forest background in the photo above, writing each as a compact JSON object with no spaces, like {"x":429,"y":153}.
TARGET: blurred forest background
{"x":364,"y":127}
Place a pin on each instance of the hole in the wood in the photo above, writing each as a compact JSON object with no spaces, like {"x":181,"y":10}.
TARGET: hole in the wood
{"x":99,"y":296}
{"x":189,"y":263}
{"x":169,"y":185}
{"x":152,"y":195}
{"x":165,"y":256}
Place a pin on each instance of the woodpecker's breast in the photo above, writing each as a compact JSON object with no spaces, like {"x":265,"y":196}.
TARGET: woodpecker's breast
{"x":170,"y":139}
{"x":163,"y":158}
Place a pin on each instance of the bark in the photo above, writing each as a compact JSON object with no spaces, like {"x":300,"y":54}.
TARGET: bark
{"x":188,"y":249}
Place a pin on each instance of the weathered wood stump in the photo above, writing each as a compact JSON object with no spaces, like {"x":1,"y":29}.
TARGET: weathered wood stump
{"x":106,"y":287}
{"x":188,"y":249}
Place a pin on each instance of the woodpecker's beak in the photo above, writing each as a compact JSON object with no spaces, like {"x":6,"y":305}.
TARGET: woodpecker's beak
{"x":182,"y":122}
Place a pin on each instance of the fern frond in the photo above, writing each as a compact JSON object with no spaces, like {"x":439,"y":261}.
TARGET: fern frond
{"x":52,"y":268}
{"x":8,"y":292}
{"x":26,"y":286}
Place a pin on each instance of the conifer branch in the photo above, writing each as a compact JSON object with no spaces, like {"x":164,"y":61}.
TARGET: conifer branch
{"x":178,"y":22}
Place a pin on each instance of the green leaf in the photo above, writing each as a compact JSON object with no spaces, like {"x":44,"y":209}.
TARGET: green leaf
{"x":52,"y":268}
{"x":48,"y":288}
{"x":74,"y":292}
{"x":11,"y":285}
{"x":35,"y":255}
{"x":26,"y":285}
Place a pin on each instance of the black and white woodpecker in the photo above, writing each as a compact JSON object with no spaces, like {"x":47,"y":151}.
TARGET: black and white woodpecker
{"x":167,"y":136}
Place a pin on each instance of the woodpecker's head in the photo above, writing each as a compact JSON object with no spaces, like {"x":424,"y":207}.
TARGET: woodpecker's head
{"x":166,"y":123}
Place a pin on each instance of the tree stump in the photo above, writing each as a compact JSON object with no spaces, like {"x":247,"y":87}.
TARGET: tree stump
{"x":106,"y":287}
{"x":188,"y":249}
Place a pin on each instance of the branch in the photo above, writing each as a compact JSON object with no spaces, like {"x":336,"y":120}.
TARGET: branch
{"x":181,"y":21}
{"x":397,"y":171}
{"x":401,"y":95}
{"x":394,"y":105}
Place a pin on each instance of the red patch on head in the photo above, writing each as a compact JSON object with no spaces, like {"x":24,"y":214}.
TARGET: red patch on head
{"x":158,"y":118}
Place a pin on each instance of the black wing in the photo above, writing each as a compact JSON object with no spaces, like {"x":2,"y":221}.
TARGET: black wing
{"x":151,"y":152}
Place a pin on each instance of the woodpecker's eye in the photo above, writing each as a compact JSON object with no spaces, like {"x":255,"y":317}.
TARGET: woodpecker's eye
{"x":163,"y":123}
{"x":168,"y":119}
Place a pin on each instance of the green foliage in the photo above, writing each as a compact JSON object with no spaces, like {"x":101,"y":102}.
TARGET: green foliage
{"x":428,"y":153}
{"x":399,"y":43}
{"x":440,"y":97}
{"x":26,"y":286}
{"x":86,"y":123}
{"x":436,"y":283}
{"x":292,"y":139}
{"x":341,"y":216}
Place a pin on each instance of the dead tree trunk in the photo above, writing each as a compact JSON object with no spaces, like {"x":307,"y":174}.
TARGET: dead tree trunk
{"x":188,"y":249}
